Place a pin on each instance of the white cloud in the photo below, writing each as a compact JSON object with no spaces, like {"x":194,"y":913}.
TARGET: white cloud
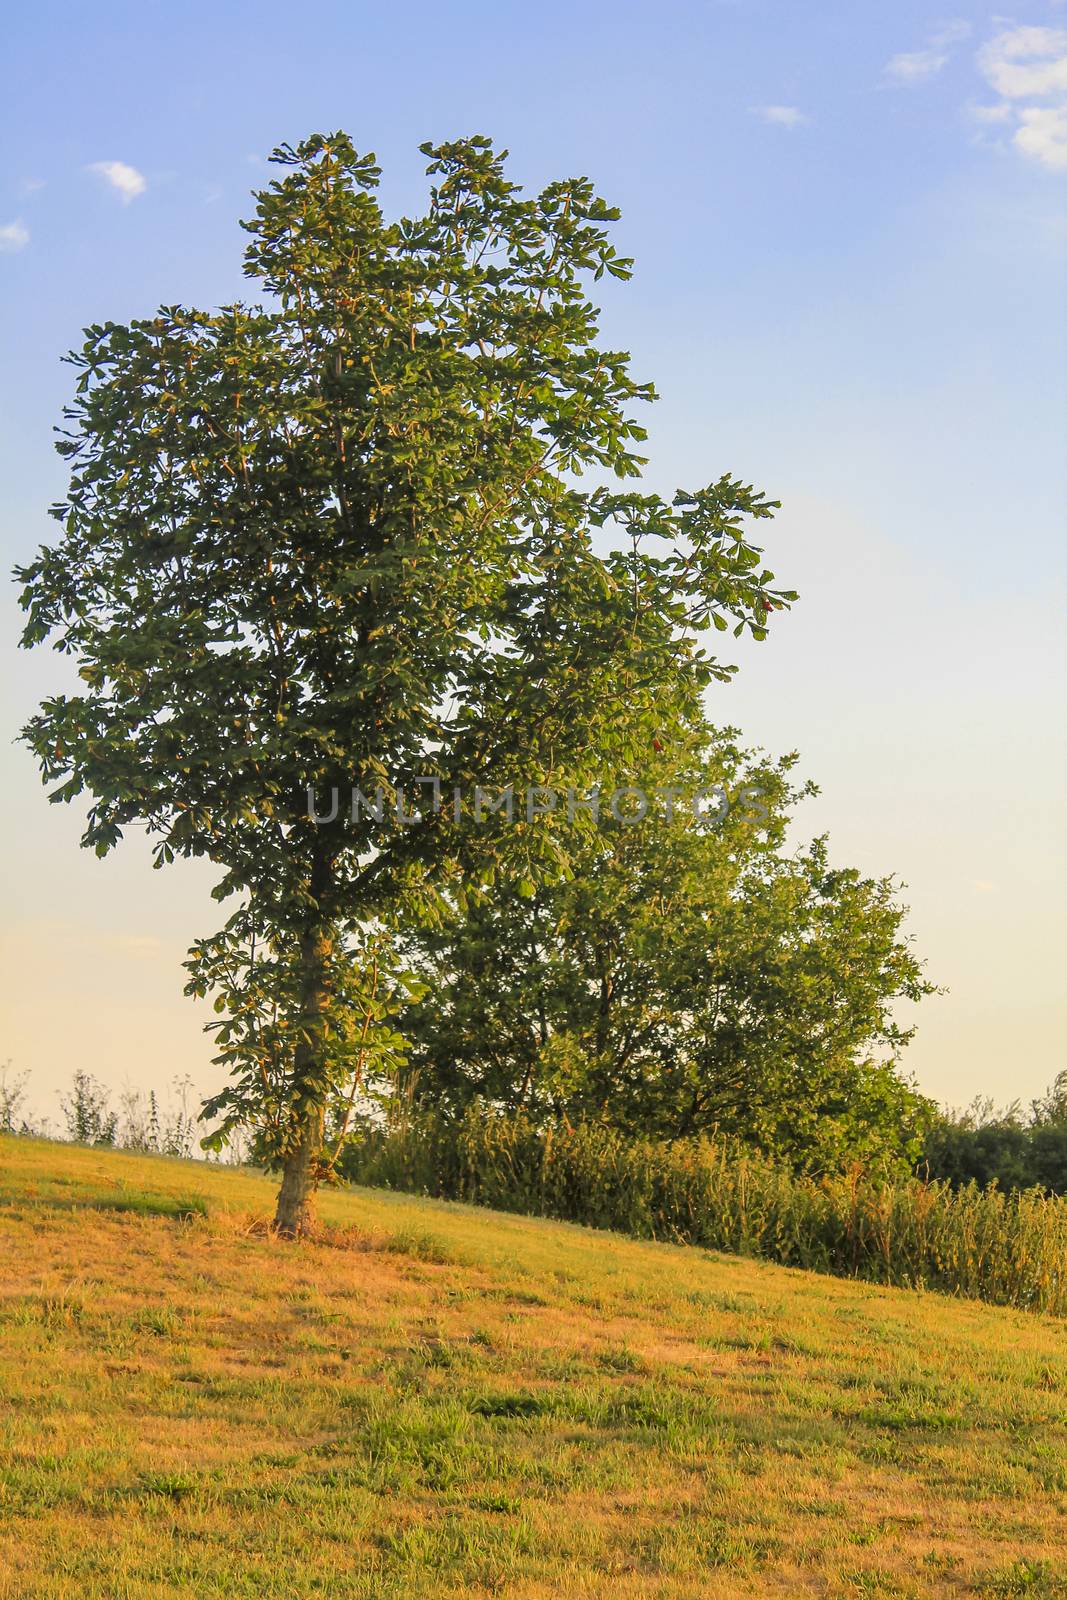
{"x":1026,"y":63}
{"x":1030,"y":63}
{"x":1042,"y":133}
{"x":125,"y":179}
{"x":783,"y":116}
{"x":14,"y":236}
{"x":915,"y":66}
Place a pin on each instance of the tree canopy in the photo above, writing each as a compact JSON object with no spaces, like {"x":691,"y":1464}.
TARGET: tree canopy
{"x":690,"y":976}
{"x":381,"y":525}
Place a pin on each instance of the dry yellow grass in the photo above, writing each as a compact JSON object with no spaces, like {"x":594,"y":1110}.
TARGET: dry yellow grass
{"x":436,"y":1401}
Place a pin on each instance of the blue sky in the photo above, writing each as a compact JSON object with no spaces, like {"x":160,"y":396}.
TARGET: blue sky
{"x":850,"y":234}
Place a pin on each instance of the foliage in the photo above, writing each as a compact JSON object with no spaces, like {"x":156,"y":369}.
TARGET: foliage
{"x":690,"y":975}
{"x":1009,"y":1147}
{"x":342,"y":538}
{"x":1008,"y":1249}
{"x":256,"y":984}
{"x":87,"y":1113}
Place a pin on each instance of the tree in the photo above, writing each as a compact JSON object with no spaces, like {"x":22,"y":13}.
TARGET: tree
{"x":343,"y":538}
{"x":691,"y":976}
{"x":1013,"y":1148}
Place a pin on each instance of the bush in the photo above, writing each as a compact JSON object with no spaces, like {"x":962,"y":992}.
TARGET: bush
{"x":1010,"y":1249}
{"x":1010,"y":1148}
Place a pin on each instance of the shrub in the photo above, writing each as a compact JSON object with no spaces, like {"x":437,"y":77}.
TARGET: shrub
{"x":1010,"y":1249}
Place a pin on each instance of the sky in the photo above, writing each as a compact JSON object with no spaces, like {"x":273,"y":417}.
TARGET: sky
{"x":850,"y":235}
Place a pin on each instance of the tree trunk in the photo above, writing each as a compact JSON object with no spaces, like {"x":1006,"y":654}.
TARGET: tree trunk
{"x":295,"y":1212}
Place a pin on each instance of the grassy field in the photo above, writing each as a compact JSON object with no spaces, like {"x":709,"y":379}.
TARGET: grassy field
{"x":439,"y":1401}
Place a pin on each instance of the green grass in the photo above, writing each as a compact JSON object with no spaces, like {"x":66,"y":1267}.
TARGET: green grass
{"x":431,"y":1400}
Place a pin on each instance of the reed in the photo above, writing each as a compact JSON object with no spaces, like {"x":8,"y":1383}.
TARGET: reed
{"x":1006,"y":1248}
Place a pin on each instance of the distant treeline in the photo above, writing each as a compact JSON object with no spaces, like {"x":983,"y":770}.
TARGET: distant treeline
{"x":1010,"y":1249}
{"x":1013,"y":1148}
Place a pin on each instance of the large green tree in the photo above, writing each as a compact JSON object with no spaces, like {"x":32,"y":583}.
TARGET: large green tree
{"x":371,"y":530}
{"x":693,"y":974}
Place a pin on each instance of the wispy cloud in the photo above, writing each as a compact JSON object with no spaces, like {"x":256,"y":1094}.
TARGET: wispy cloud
{"x":128,"y":182}
{"x":951,"y":33}
{"x":782,"y":116}
{"x":1000,"y":113}
{"x":14,"y":236}
{"x":916,"y":66}
{"x":1030,"y":64}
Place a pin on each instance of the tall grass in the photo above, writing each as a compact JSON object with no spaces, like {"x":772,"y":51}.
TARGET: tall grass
{"x":1010,"y":1249}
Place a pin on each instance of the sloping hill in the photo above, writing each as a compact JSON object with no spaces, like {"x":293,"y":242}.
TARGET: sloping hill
{"x":434,"y":1400}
